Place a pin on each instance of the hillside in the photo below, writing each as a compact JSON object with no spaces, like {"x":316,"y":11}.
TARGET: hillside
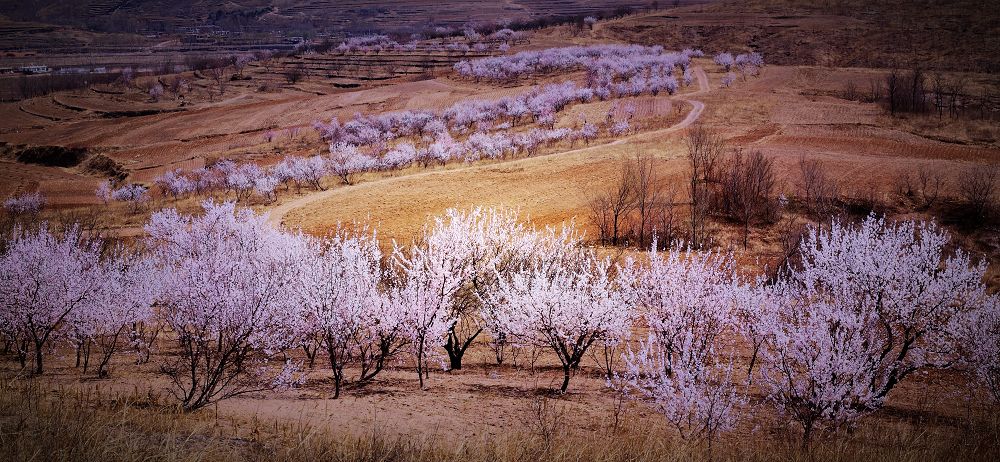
{"x":245,"y":19}
{"x":958,"y":36}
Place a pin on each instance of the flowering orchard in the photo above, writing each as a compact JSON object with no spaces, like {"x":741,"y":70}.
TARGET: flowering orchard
{"x":472,"y":39}
{"x":467,"y":131}
{"x":869,"y":305}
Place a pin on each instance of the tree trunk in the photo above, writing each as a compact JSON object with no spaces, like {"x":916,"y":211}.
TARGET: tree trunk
{"x":753,"y":361}
{"x":456,"y":349}
{"x":86,"y":356}
{"x":807,"y":428}
{"x":565,"y":383}
{"x":38,"y":358}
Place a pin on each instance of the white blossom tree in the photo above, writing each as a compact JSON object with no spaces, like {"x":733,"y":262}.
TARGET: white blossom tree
{"x":685,"y":367}
{"x":868,"y":305}
{"x":226,"y":294}
{"x":45,"y":278}
{"x":564,"y":304}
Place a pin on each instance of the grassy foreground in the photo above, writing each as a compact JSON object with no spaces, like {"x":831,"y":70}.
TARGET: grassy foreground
{"x":37,"y":423}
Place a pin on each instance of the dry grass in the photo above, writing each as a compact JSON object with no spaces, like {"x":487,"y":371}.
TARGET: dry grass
{"x":38,"y":423}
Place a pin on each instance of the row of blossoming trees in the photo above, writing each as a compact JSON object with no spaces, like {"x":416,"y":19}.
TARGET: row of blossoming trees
{"x":867,"y":306}
{"x":469,"y":130}
{"x":498,"y":40}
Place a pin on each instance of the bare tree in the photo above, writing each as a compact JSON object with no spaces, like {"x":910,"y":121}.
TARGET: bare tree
{"x":892,"y":85}
{"x":664,"y":218}
{"x":850,"y":92}
{"x":240,"y":63}
{"x":647,"y":195}
{"x":956,"y":91}
{"x":817,"y":189}
{"x":177,"y":85}
{"x":610,"y":208}
{"x":704,"y":149}
{"x":600,"y":216}
{"x":930,"y":183}
{"x":874,"y":90}
{"x":622,"y":201}
{"x":266,"y":59}
{"x":978,"y":188}
{"x":939,"y":91}
{"x":747,"y":193}
{"x":218,"y":74}
{"x":295,"y":74}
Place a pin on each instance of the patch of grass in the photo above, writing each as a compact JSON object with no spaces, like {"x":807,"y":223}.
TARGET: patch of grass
{"x":38,"y":423}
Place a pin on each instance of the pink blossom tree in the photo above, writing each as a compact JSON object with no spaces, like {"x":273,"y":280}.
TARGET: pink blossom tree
{"x":430,"y":277}
{"x":685,"y":368}
{"x":103,"y":192}
{"x":129,"y":286}
{"x":566,"y":304}
{"x":156,"y":92}
{"x":45,"y":278}
{"x":725,"y":60}
{"x":175,"y":183}
{"x":346,"y":161}
{"x":728,"y":80}
{"x":310,"y":171}
{"x":226,"y":294}
{"x":868,"y":305}
{"x":981,"y":332}
{"x":482,"y":242}
{"x":25,"y":204}
{"x":135,"y":195}
{"x":339,"y":286}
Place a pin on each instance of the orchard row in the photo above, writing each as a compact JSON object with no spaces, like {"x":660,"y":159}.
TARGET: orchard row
{"x":865,"y":307}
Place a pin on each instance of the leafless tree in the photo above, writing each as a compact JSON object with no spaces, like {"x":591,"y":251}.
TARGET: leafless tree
{"x":818,"y":190}
{"x":939,"y":92}
{"x":874,"y":90}
{"x":600,"y":216}
{"x":892,"y":84}
{"x":790,"y":234}
{"x":917,"y":83}
{"x":747,"y":192}
{"x":977,"y":189}
{"x":704,"y":149}
{"x":929,"y":183}
{"x":218,"y":74}
{"x":177,"y":85}
{"x":647,"y":195}
{"x":955,"y":91}
{"x":904,"y":186}
{"x":851,"y":91}
{"x":295,"y":74}
{"x":906,"y":91}
{"x":266,"y":59}
{"x":665,"y":218}
{"x":240,"y":63}
{"x":610,"y":208}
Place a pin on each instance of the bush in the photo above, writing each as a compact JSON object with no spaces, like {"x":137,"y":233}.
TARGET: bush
{"x":52,"y":156}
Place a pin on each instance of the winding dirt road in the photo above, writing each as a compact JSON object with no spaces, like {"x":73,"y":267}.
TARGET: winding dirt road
{"x":276,"y":216}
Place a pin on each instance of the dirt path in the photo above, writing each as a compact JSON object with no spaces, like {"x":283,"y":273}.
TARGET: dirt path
{"x":276,"y":216}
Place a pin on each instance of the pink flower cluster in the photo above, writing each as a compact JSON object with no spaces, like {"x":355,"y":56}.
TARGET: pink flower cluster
{"x":27,"y":203}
